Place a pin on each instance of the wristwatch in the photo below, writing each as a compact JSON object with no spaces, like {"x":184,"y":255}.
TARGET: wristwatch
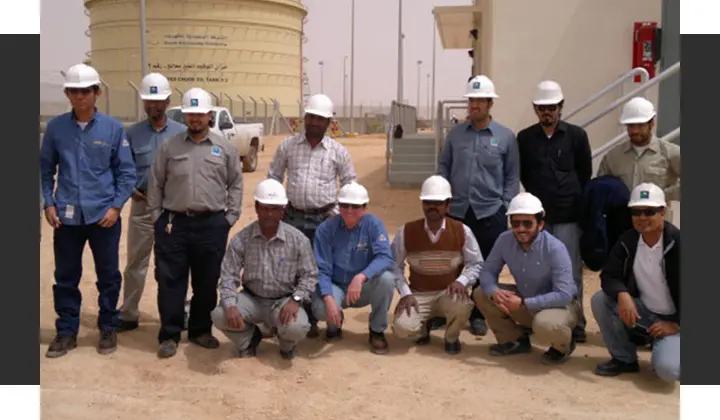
{"x":297,"y":298}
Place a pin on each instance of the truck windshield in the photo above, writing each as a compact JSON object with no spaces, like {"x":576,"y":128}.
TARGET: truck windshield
{"x":176,"y":114}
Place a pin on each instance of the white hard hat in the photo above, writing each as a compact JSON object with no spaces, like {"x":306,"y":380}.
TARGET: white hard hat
{"x":435,"y":188}
{"x":196,"y":101}
{"x":320,"y":105}
{"x":271,"y":192}
{"x":647,"y":195}
{"x":155,"y":87}
{"x":525,"y":203}
{"x":81,"y":76}
{"x":637,"y":111}
{"x":548,"y":92}
{"x":480,"y":87}
{"x":353,"y":193}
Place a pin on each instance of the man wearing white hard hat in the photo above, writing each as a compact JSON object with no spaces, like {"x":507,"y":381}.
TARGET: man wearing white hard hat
{"x":444,"y":259}
{"x":544,"y":296}
{"x":144,"y":137}
{"x":314,"y":163}
{"x":645,"y":158}
{"x":194,"y":197}
{"x":641,"y":290}
{"x":480,"y":159}
{"x":555,"y":166}
{"x":352,"y":251}
{"x":89,"y":154}
{"x":274,"y":264}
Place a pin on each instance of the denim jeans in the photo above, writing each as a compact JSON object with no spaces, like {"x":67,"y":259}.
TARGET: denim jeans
{"x":569,"y":235}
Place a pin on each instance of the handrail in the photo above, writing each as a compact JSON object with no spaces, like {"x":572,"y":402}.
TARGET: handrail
{"x":137,"y":101}
{"x":617,"y":140}
{"x":642,"y":88}
{"x":637,"y":71}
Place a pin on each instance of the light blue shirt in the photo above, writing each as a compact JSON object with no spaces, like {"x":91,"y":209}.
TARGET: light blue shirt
{"x":543,"y":274}
{"x":482,"y":167}
{"x":342,"y":253}
{"x":144,"y":140}
{"x":94,"y":167}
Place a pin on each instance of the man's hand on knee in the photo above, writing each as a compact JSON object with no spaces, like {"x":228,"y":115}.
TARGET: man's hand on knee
{"x":405,"y":304}
{"x":234,"y":318}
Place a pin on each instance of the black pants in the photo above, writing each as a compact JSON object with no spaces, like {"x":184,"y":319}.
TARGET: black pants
{"x":195,"y":246}
{"x":486,"y":231}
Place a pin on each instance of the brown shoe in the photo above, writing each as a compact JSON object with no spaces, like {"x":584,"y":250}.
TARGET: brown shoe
{"x":61,"y":345}
{"x":378,"y":343}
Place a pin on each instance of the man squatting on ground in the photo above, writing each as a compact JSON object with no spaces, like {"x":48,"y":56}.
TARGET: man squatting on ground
{"x":195,"y":196}
{"x":544,"y":296}
{"x":314,"y":163}
{"x":480,"y":159}
{"x":641,"y":289}
{"x":352,"y":251}
{"x":91,"y":156}
{"x":145,"y":137}
{"x":279,"y":273}
{"x":444,"y":258}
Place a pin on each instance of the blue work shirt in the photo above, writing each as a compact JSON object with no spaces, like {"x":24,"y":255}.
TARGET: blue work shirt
{"x":482,"y":167}
{"x":144,"y":140}
{"x":342,"y":253}
{"x":95,"y":168}
{"x":543,"y":274}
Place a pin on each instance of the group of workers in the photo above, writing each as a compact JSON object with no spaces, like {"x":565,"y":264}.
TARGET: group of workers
{"x":315,"y":250}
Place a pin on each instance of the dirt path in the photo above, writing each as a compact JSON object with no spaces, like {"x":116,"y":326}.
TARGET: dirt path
{"x":340,"y":381}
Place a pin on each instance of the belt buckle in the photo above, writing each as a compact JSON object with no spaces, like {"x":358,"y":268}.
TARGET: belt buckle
{"x":190,"y":213}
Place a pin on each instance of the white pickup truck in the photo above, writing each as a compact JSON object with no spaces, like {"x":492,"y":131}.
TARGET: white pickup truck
{"x":248,"y":138}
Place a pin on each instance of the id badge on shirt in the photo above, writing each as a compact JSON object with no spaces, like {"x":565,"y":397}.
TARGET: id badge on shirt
{"x":70,"y":212}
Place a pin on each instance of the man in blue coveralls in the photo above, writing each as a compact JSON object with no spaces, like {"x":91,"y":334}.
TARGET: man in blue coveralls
{"x":353,"y":254}
{"x":96,"y":176}
{"x":145,"y":137}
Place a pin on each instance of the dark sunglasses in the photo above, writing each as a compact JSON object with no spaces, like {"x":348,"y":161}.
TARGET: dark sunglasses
{"x":542,"y":108}
{"x":527,"y":224}
{"x":351,"y":206}
{"x":75,"y":91}
{"x":644,"y":212}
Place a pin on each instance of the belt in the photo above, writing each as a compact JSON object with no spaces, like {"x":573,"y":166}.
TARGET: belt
{"x":255,"y":295}
{"x":320,"y":210}
{"x":196,"y":214}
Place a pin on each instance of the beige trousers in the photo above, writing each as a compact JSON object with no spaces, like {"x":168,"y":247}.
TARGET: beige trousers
{"x":552,"y":326}
{"x":141,"y":236}
{"x":433,"y":304}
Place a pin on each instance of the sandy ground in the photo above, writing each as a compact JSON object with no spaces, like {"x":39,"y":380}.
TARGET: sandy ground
{"x":338,"y":381}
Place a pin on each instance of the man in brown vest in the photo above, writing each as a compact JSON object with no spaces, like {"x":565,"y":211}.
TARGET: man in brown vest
{"x":444,"y":259}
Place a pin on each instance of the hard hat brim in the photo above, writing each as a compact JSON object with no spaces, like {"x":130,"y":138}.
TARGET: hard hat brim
{"x":272,"y":202}
{"x":356,"y":202}
{"x":196,"y":110}
{"x":434,"y":197}
{"x":80,"y":85}
{"x":319,"y":113}
{"x":647,"y":203}
{"x":480,"y":95}
{"x":636,"y":120}
{"x":523,"y":211}
{"x":155,"y":97}
{"x":552,"y":101}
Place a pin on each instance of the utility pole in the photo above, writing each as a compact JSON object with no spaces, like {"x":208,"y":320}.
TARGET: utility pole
{"x":345,"y":76}
{"x":322,"y":81}
{"x":432,"y":101}
{"x":428,"y":110}
{"x":419,"y":65}
{"x":352,"y":67}
{"x":400,"y":55}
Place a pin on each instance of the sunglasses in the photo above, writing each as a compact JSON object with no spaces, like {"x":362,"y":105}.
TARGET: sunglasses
{"x":351,"y":206}
{"x":546,"y":107}
{"x":644,"y":212}
{"x":527,"y":224}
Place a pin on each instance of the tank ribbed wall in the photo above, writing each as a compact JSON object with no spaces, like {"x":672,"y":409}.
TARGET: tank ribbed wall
{"x":228,"y":47}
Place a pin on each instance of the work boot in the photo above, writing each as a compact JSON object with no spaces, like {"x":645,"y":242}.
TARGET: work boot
{"x":478,"y":327}
{"x":288,"y":355}
{"x":378,"y":343}
{"x":453,"y":348}
{"x":554,"y":356}
{"x":107,"y":343}
{"x":207,"y":341}
{"x":435,"y":323}
{"x":251,"y":349}
{"x":425,"y":339}
{"x":579,"y":335}
{"x":314,"y":331}
{"x":168,"y":348}
{"x":616,"y":367}
{"x":61,"y":345}
{"x":522,"y":345}
{"x":334,"y":332}
{"x":127,"y":326}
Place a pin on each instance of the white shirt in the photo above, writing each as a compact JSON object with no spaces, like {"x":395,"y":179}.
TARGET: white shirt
{"x":472,"y":257}
{"x":650,"y":276}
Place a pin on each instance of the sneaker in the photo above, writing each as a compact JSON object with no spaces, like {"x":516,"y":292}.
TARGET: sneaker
{"x":378,"y":343}
{"x":509,"y":348}
{"x":616,"y":367}
{"x":61,"y":345}
{"x":251,"y":349}
{"x":167,"y":349}
{"x":107,"y":343}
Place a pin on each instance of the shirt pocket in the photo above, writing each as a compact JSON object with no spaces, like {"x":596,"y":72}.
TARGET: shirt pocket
{"x":144,"y":156}
{"x":99,"y":155}
{"x":282,"y":265}
{"x":656,"y":173}
{"x":563,"y":158}
{"x":179,"y":166}
{"x":489,"y":155}
{"x":214,"y":167}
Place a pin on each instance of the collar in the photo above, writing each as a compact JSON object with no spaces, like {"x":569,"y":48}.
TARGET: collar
{"x":344,"y":226}
{"x":442,"y":227}
{"x":302,"y":139}
{"x":537,"y":242}
{"x":654,"y":145}
{"x":561,"y":127}
{"x":94,"y":116}
{"x":659,"y":245}
{"x":209,"y":137}
{"x":281,"y":234}
{"x":152,"y":127}
{"x":492,"y":125}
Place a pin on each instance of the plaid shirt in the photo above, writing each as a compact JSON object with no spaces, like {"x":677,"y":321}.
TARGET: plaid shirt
{"x":312,"y":173}
{"x":271,"y":269}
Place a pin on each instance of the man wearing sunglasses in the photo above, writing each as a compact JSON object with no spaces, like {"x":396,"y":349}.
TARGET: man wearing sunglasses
{"x":544,"y":296}
{"x":555,"y":166}
{"x":641,"y":290}
{"x":353,"y":255}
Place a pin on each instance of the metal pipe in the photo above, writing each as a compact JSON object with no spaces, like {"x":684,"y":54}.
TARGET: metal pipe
{"x":419,"y":67}
{"x":345,"y":76}
{"x":143,"y":39}
{"x":400,"y":55}
{"x":352,"y":67}
{"x":432,"y":101}
{"x":637,"y":71}
{"x":137,"y":100}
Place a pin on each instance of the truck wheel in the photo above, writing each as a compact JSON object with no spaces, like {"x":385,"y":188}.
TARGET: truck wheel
{"x":251,"y":160}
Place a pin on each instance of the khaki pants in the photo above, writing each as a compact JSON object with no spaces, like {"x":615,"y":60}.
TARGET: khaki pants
{"x":141,"y":236}
{"x":433,"y":304}
{"x":553,"y":326}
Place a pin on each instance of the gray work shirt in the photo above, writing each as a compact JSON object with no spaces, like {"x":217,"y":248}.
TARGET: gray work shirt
{"x":543,"y":273}
{"x":271,"y":268}
{"x":482,"y":167}
{"x":144,"y":141}
{"x":198,"y":177}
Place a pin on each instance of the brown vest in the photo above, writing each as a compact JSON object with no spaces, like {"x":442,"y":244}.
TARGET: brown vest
{"x":433,"y":266}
